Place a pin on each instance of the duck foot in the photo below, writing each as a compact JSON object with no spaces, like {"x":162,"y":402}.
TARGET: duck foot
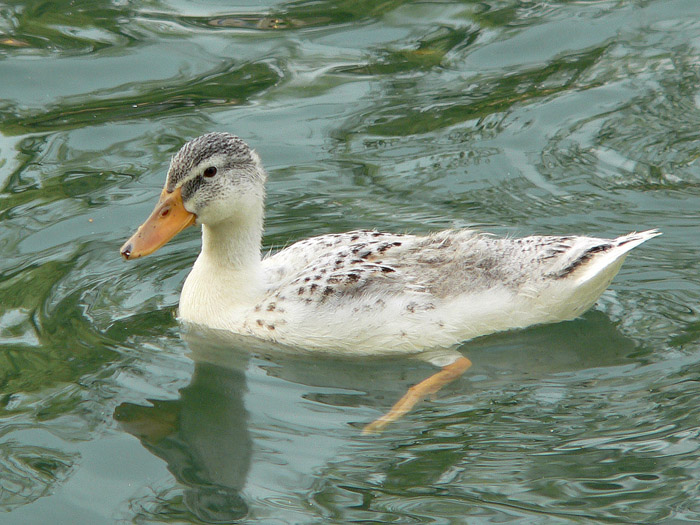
{"x":417,"y":392}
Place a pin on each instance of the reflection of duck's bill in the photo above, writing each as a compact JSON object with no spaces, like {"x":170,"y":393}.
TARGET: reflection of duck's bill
{"x":167,"y":220}
{"x":150,"y":424}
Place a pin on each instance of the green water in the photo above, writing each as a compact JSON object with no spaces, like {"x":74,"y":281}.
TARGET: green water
{"x":517,"y":117}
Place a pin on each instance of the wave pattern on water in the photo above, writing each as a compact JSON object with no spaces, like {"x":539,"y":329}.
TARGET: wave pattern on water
{"x":549,"y":117}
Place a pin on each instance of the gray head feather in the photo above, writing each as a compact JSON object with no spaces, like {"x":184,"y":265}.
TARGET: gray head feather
{"x":237,"y":153}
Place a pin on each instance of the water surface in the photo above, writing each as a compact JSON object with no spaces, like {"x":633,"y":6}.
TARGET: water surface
{"x":515,"y":117}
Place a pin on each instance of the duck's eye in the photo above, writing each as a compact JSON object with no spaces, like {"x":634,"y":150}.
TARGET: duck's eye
{"x":210,"y":171}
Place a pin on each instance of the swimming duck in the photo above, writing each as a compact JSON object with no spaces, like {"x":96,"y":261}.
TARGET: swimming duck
{"x":361,"y":292}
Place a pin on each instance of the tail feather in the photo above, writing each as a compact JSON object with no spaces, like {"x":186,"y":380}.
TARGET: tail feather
{"x":607,"y":259}
{"x":633,"y":239}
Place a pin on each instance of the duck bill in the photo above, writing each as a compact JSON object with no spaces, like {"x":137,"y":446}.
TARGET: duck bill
{"x":167,"y":220}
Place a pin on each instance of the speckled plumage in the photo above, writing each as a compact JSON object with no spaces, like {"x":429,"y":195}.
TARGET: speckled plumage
{"x":401,"y":291}
{"x":367,"y":291}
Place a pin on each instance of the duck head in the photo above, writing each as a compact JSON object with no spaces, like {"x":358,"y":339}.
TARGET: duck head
{"x":213,"y":179}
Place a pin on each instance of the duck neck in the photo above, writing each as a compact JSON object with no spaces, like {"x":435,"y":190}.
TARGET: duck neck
{"x":227,"y":276}
{"x":233,"y":246}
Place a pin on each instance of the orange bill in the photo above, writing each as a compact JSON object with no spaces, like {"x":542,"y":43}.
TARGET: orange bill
{"x":168,"y":219}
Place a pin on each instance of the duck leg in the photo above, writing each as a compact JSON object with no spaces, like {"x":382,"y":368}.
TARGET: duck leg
{"x":417,"y":392}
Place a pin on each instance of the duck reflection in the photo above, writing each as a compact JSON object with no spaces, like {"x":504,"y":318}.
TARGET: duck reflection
{"x":305,"y":411}
{"x":203,"y":437}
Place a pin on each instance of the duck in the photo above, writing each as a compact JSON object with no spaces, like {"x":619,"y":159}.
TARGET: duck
{"x":363,"y":292}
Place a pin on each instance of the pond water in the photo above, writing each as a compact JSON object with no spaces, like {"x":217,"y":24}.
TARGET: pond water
{"x":516,"y":117}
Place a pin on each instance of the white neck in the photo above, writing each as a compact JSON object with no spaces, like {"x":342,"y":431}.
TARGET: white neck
{"x":227,"y":277}
{"x":234,"y":244}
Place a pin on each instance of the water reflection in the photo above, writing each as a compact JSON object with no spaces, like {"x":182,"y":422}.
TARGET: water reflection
{"x":203,"y":436}
{"x":305,"y":414}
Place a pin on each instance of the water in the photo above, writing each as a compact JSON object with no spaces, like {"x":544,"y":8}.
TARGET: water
{"x":517,"y":117}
